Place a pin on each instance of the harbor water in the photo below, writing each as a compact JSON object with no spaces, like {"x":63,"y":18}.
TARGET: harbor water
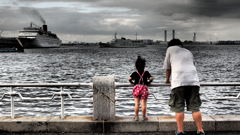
{"x":80,"y":63}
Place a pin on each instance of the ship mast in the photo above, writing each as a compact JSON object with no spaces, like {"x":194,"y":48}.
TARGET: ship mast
{"x":33,"y":25}
{"x":115,"y":35}
{"x":1,"y":31}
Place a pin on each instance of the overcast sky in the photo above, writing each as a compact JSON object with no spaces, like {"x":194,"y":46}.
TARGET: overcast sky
{"x":98,"y":20}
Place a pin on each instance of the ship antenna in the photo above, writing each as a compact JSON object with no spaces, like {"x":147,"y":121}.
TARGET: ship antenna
{"x":115,"y":36}
{"x":1,"y":31}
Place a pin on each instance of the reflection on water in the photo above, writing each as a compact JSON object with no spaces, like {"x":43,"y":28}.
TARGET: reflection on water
{"x":80,"y":64}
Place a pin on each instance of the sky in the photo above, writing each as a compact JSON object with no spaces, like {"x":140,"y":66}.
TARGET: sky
{"x":98,"y":20}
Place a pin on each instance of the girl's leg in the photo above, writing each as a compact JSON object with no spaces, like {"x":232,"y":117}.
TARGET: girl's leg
{"x":136,"y":107}
{"x":144,"y":108}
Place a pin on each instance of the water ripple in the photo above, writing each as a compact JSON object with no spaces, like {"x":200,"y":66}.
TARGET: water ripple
{"x":81,"y":63}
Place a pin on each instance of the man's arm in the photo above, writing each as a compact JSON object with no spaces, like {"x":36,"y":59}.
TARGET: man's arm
{"x":168,"y":74}
{"x":167,"y":66}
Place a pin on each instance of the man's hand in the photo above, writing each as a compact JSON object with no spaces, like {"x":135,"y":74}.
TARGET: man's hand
{"x":167,"y":82}
{"x":168,"y":74}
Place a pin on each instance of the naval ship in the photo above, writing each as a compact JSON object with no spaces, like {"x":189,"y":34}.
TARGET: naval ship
{"x":38,"y":37}
{"x":122,"y":43}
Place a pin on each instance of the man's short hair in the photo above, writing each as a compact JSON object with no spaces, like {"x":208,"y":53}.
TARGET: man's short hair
{"x":175,"y":42}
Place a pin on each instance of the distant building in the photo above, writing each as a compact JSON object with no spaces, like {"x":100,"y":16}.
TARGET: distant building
{"x":194,"y":37}
{"x":173,"y":34}
{"x":143,"y":41}
{"x":165,"y":35}
{"x":147,"y":41}
{"x":228,"y":42}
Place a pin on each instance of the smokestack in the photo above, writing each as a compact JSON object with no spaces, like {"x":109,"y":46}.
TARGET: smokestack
{"x":173,"y":34}
{"x":165,"y":35}
{"x":45,"y":28}
{"x":194,"y":37}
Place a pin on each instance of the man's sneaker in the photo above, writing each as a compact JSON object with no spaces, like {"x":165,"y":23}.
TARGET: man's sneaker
{"x":179,"y":133}
{"x":200,"y":133}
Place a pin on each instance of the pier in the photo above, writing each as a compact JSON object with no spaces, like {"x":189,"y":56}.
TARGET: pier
{"x":104,"y":120}
{"x":10,"y":44}
{"x":75,"y":125}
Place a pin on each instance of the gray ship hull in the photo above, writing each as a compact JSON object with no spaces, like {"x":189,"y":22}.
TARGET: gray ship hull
{"x":40,"y":42}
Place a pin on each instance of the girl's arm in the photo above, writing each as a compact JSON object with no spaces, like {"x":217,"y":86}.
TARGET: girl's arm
{"x":150,"y":79}
{"x":130,"y":80}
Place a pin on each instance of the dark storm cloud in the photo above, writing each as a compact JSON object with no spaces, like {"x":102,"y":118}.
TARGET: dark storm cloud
{"x":216,"y":8}
{"x":178,"y":10}
{"x":11,"y":19}
{"x":193,"y":8}
{"x":67,"y":21}
{"x":207,"y":8}
{"x":67,"y":0}
{"x":104,"y":17}
{"x":73,"y":22}
{"x":33,"y":13}
{"x":203,"y":8}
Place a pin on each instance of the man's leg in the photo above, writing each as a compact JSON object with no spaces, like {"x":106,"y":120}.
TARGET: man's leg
{"x":179,"y":120}
{"x":177,"y":104}
{"x":197,"y":117}
{"x":193,"y":104}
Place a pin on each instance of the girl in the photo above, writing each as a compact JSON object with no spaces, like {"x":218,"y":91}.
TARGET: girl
{"x":141,"y":79}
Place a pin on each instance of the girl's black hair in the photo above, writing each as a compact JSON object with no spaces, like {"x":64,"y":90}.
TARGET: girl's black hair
{"x":140,"y":64}
{"x":175,"y":42}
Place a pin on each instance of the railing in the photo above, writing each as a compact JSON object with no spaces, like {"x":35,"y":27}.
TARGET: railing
{"x":63,"y":94}
{"x":119,"y":85}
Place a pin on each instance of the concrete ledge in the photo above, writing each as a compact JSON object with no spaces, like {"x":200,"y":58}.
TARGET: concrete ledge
{"x":126,"y":124}
{"x":71,"y":125}
{"x":227,"y":122}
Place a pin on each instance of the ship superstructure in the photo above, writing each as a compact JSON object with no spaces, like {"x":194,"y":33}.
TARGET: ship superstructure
{"x":123,"y":43}
{"x":38,"y":37}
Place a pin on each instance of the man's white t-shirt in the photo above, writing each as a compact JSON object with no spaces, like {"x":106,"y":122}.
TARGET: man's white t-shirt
{"x":183,"y":71}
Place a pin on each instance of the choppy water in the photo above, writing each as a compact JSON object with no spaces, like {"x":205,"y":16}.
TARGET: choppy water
{"x":80,"y":64}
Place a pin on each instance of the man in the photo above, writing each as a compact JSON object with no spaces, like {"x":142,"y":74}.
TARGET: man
{"x":185,"y":85}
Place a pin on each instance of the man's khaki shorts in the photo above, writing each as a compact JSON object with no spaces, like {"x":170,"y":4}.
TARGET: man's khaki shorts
{"x":185,"y":95}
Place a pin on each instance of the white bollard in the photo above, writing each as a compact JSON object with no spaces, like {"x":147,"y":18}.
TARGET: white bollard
{"x":103,"y":98}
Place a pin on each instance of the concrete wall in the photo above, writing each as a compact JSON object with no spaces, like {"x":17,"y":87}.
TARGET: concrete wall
{"x":75,"y":125}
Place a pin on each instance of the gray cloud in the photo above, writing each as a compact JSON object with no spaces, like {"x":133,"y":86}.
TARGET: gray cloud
{"x":148,"y":18}
{"x":33,"y":13}
{"x":192,"y":8}
{"x":216,"y":8}
{"x":207,"y":8}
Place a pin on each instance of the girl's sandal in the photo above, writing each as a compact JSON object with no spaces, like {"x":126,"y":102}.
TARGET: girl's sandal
{"x":136,"y":118}
{"x":145,"y":118}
